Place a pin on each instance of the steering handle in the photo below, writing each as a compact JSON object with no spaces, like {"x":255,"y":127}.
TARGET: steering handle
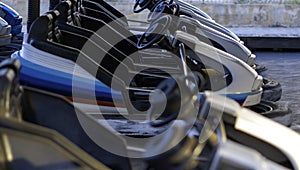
{"x":155,"y":32}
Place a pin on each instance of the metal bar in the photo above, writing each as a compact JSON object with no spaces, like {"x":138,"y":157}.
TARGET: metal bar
{"x":33,"y":12}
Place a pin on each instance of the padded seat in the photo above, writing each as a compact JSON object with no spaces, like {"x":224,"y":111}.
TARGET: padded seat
{"x":106,"y":37}
{"x":94,"y":22}
{"x":45,"y":35}
{"x":79,"y":13}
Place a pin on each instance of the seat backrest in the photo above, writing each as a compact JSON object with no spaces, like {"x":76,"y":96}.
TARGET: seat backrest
{"x":85,"y":16}
{"x":41,"y":29}
{"x":41,"y":36}
{"x":65,"y":12}
{"x":113,"y":39}
{"x":102,"y":24}
{"x":76,"y":7}
{"x":45,"y":29}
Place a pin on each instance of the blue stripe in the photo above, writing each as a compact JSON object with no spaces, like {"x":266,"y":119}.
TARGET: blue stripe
{"x":242,"y":96}
{"x":41,"y":77}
